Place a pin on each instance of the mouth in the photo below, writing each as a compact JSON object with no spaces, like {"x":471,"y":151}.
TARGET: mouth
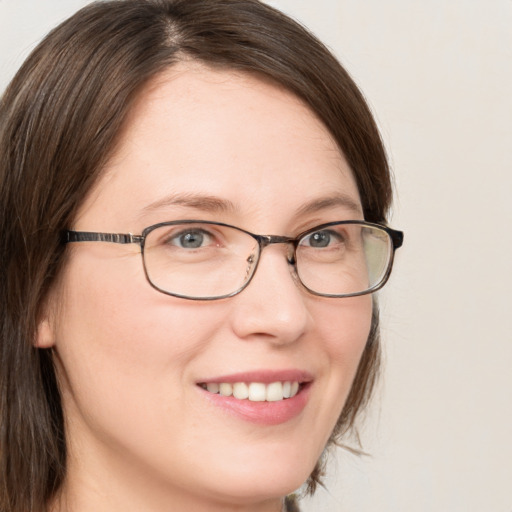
{"x":261,"y":397}
{"x":255,"y":391}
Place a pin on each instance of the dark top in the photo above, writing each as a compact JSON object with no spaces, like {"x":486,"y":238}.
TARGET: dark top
{"x":290,"y":504}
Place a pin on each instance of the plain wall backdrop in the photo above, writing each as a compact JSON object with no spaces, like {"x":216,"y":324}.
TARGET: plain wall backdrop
{"x":438,"y":76}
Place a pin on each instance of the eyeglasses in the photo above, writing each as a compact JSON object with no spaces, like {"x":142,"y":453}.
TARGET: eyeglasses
{"x":203,"y":260}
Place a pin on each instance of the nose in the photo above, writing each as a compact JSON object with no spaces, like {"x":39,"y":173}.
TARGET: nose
{"x":273,"y":306}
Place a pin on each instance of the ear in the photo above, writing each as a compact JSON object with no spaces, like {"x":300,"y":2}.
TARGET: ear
{"x":45,"y":336}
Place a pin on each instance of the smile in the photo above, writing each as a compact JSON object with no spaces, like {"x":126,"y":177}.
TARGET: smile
{"x":264,"y":397}
{"x":255,"y":391}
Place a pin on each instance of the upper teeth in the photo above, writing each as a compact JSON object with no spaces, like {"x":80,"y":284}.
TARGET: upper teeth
{"x":255,"y":391}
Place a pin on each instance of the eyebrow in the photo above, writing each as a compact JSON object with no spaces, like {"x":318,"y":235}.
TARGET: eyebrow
{"x":215,"y":204}
{"x":201,"y":202}
{"x":324,"y":203}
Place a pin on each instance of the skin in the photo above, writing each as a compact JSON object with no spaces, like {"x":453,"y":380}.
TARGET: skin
{"x":141,"y":434}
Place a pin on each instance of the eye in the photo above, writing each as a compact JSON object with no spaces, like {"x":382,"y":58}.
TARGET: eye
{"x":321,"y":239}
{"x":190,"y":239}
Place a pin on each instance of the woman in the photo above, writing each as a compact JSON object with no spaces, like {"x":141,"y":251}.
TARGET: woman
{"x":157,"y":354}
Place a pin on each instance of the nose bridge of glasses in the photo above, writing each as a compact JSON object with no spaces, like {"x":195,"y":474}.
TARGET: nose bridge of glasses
{"x":266,"y":240}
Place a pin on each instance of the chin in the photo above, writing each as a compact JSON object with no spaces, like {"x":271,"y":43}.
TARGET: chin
{"x":252,"y":483}
{"x":258,"y":489}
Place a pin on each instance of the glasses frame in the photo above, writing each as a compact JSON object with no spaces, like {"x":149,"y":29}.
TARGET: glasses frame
{"x":396,"y":237}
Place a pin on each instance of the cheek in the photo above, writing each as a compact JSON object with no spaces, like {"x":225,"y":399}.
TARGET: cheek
{"x":121,"y":342}
{"x":345,"y":327}
{"x":345,"y":336}
{"x":124,"y":354}
{"x":108,"y":303}
{"x":341,"y":333}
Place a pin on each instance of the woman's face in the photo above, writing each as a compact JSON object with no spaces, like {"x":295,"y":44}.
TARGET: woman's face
{"x":142,"y":430}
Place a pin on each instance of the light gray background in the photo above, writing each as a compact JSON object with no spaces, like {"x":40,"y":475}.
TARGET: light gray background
{"x":438,"y":75}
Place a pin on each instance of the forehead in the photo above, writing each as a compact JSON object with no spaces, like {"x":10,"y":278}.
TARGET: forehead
{"x":199,"y":132}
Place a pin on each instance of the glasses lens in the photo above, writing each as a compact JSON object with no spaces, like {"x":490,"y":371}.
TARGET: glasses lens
{"x":344,"y":259}
{"x":199,"y":260}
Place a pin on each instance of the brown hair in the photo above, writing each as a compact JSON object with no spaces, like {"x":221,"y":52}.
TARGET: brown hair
{"x":59,"y":121}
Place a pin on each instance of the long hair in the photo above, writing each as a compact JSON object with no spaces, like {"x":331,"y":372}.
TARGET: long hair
{"x":60,"y":120}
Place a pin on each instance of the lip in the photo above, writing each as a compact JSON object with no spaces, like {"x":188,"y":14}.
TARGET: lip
{"x":262,"y":413}
{"x":264,"y":376}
